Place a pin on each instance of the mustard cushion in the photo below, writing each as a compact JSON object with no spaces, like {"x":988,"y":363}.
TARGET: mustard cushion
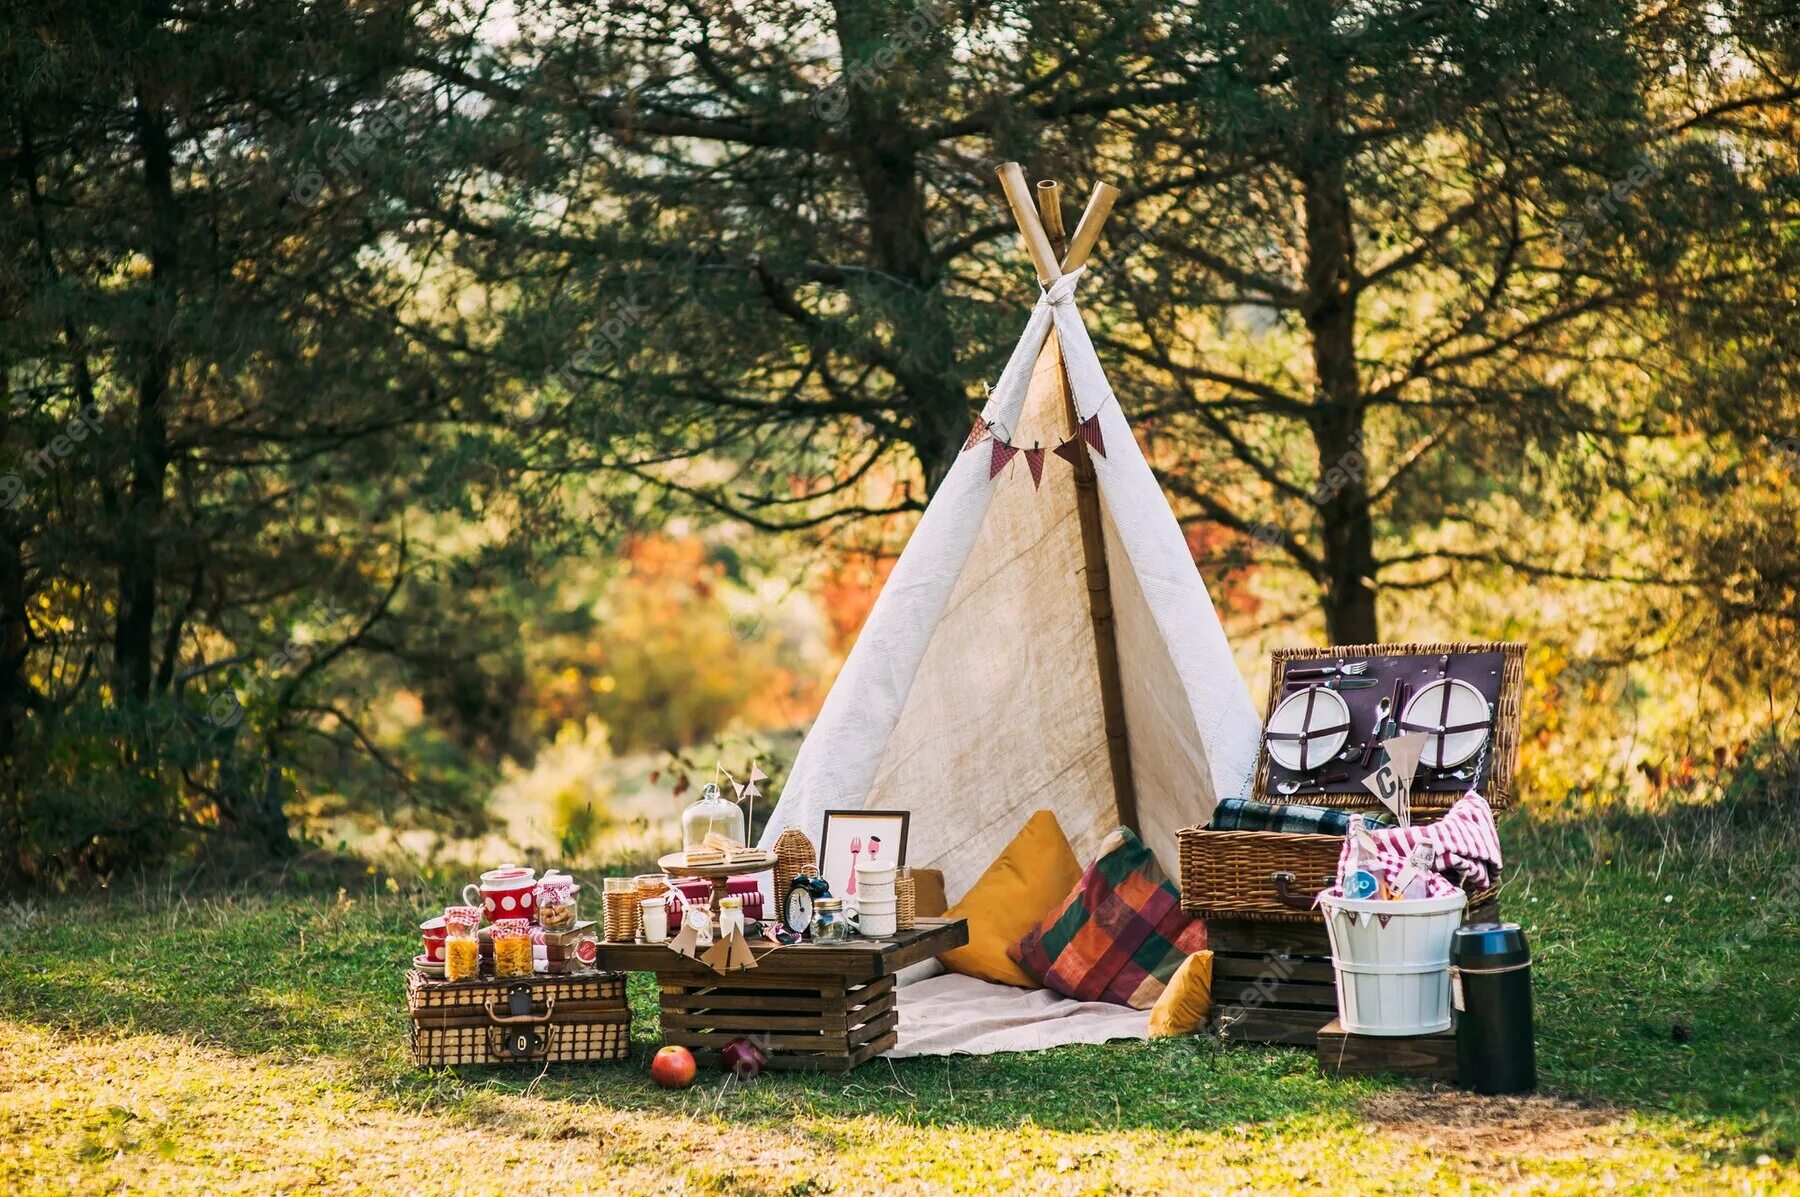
{"x":1031,"y":876}
{"x":1181,"y":1010}
{"x":928,"y":893}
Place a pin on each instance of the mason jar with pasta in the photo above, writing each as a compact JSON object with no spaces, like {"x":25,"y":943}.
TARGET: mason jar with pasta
{"x":512,"y":948}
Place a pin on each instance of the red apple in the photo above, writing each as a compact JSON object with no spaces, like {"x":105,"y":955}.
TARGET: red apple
{"x":742,"y":1058}
{"x":673,"y":1067}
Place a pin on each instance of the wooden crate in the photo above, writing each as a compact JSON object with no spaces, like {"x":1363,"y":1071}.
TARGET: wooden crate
{"x":574,"y":1019}
{"x":1272,"y":982}
{"x":1430,"y":1057}
{"x":828,"y":1028}
{"x":808,"y":1006}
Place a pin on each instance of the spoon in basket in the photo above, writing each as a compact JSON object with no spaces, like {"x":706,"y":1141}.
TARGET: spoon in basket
{"x":1311,"y":785}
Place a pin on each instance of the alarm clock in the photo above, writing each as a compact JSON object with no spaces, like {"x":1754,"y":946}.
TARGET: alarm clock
{"x":797,"y":906}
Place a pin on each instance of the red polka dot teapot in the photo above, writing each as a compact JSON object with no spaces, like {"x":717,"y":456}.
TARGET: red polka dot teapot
{"x":505,"y":893}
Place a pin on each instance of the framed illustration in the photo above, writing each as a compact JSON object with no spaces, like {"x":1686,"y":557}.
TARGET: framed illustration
{"x":853,"y":837}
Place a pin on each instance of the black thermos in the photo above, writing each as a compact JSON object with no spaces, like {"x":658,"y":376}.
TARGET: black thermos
{"x":1491,"y":974}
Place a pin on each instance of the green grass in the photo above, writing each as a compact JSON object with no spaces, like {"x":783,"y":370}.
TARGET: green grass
{"x":256,"y":1042}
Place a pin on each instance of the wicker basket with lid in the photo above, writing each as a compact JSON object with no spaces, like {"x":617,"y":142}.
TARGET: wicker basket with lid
{"x":1273,"y":876}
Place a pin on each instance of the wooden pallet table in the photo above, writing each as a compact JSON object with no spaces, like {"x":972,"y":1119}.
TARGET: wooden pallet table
{"x":808,"y":1006}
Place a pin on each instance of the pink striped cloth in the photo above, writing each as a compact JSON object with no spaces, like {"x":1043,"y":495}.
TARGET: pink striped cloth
{"x":1465,"y":840}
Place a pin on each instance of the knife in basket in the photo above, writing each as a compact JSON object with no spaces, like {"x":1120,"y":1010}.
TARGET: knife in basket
{"x":1340,"y":683}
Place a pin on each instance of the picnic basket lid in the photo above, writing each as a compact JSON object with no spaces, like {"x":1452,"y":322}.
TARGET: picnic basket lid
{"x":1451,"y":683}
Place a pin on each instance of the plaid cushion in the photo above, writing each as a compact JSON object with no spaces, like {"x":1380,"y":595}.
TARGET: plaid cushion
{"x":1119,"y":935}
{"x":1294,"y":818}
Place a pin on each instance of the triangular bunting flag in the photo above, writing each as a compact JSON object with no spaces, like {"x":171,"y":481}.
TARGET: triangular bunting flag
{"x":1090,"y":432}
{"x":1385,"y":919}
{"x":717,"y":956}
{"x":757,"y":775}
{"x":1003,"y":453}
{"x":1070,"y":451}
{"x":741,"y":956}
{"x":1034,"y":461}
{"x":977,"y":434}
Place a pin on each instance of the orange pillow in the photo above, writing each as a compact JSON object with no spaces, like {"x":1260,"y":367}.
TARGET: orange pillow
{"x":1029,"y":879}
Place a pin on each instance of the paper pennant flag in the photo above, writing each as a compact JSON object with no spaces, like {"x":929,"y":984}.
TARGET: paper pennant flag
{"x":1404,"y":753}
{"x":1392,"y":783}
{"x":1034,"y":461}
{"x":977,"y":434}
{"x":1090,"y":432}
{"x":739,"y":787}
{"x":1070,"y":451}
{"x":1385,"y":919}
{"x":757,"y":775}
{"x":686,"y":941}
{"x":741,"y":956}
{"x":1003,"y":453}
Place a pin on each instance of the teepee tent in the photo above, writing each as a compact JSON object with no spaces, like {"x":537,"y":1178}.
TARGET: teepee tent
{"x":1044,"y":641}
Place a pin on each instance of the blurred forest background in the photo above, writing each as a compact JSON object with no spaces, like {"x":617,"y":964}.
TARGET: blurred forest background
{"x":429,"y":426}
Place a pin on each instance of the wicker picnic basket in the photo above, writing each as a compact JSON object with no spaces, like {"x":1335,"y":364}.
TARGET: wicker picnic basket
{"x":1274,"y":876}
{"x":581,"y":1018}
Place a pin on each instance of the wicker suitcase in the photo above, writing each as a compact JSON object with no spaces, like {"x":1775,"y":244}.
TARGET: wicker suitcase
{"x":582,"y":1018}
{"x":1274,"y":876}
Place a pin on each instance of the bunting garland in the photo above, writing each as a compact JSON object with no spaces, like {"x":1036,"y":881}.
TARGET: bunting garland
{"x":1034,"y":461}
{"x":1087,"y":433}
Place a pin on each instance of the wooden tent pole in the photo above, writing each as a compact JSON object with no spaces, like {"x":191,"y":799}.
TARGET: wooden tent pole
{"x":1087,"y":490}
{"x":1087,"y":230}
{"x":1012,"y":181}
{"x":1049,"y":205}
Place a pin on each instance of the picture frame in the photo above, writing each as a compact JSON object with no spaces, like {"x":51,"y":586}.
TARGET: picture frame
{"x":846,"y":839}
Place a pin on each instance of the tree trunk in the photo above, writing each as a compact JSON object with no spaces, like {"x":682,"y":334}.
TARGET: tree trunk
{"x":133,"y":635}
{"x":1347,"y":551}
{"x":884,"y":156}
{"x":251,"y":792}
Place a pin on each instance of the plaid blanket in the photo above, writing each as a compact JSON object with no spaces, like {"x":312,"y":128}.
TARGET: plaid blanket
{"x":1242,"y":814}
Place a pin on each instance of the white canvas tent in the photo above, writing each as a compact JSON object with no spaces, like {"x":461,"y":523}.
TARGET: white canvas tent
{"x":1036,"y":648}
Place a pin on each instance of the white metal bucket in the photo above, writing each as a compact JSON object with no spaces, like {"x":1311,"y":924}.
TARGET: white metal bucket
{"x":1393,"y":979}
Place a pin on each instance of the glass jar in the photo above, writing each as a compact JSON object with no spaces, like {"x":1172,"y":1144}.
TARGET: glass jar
{"x":556,"y":903}
{"x":731,"y":917}
{"x":512,"y":948}
{"x":711,"y":813}
{"x":828,"y":925}
{"x":462,"y":943}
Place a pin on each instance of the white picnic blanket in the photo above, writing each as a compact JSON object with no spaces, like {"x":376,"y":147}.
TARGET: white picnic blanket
{"x":952,"y":1014}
